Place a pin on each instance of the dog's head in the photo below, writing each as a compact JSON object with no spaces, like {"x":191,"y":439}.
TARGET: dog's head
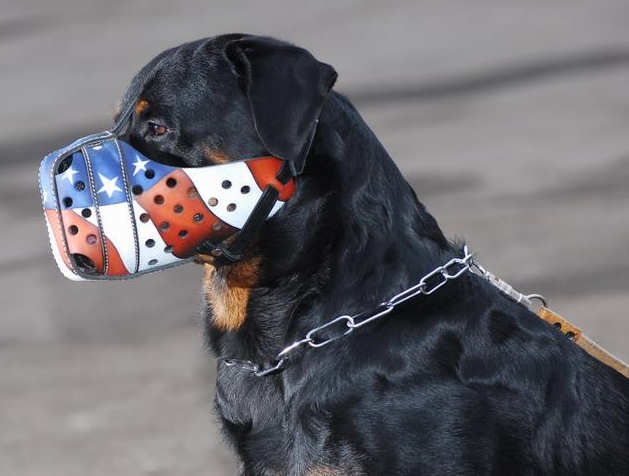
{"x":228,"y":98}
{"x":224,"y":99}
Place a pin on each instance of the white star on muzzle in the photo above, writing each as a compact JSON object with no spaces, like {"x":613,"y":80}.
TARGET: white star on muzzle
{"x":69,"y":174}
{"x":139,"y":164}
{"x":109,"y":185}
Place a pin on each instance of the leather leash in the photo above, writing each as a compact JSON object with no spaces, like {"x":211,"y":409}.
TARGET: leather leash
{"x":583,"y":341}
{"x":566,"y":327}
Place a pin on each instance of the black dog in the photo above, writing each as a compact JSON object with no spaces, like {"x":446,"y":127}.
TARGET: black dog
{"x":464,"y":381}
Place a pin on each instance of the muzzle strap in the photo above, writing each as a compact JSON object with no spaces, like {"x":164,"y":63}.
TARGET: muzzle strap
{"x":234,"y":252}
{"x":230,"y":254}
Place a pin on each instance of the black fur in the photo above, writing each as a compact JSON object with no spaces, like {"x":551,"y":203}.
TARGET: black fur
{"x":463,"y":382}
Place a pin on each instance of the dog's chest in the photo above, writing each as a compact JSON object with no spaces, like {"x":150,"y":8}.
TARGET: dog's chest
{"x":258,"y":418}
{"x":244,"y":399}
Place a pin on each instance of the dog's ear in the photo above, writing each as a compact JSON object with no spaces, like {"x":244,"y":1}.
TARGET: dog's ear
{"x":286,"y":88}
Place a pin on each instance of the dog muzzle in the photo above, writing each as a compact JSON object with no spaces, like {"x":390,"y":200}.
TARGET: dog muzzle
{"x":113,"y":213}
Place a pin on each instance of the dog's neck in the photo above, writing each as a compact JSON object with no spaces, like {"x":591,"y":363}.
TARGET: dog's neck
{"x":353,"y":234}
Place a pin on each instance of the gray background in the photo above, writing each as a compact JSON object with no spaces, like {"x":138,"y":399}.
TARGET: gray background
{"x":509,"y":118}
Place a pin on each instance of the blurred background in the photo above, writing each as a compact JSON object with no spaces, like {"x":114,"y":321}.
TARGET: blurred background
{"x":509,"y":119}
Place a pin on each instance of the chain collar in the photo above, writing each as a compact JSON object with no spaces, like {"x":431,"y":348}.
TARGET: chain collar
{"x":344,"y":325}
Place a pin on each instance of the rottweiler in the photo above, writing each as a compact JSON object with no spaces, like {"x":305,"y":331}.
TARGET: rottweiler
{"x":464,"y":381}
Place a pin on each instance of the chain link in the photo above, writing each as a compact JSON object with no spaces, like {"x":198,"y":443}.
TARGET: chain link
{"x":345,"y":324}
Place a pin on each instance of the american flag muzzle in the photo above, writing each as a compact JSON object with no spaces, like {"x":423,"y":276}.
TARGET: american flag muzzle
{"x":113,"y":213}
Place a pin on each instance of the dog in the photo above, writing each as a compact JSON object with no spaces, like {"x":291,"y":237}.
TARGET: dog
{"x":464,"y":381}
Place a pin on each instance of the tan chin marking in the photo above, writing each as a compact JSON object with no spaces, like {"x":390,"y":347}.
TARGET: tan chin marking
{"x":215,"y":155}
{"x":227,"y":291}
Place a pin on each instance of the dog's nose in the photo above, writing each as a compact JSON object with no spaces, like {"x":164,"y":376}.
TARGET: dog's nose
{"x":84,"y":263}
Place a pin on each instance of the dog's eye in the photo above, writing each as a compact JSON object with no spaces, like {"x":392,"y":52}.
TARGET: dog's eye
{"x":156,"y":129}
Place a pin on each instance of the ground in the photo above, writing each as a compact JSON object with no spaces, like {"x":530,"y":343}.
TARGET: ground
{"x":509,"y":119}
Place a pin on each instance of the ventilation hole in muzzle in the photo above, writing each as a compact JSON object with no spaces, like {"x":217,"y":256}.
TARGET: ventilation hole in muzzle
{"x":168,"y":249}
{"x":67,"y":202}
{"x":197,"y":217}
{"x":216,"y":226}
{"x":557,"y":325}
{"x":245,"y":189}
{"x":178,"y":208}
{"x":231,"y":207}
{"x":212,"y":202}
{"x":158,"y":199}
{"x":79,"y":186}
{"x":149,"y":243}
{"x":64,"y":164}
{"x":171,"y":182}
{"x":226,"y":184}
{"x":183,"y":233}
{"x":73,"y":229}
{"x":149,"y":173}
{"x":152,"y":262}
{"x":84,"y":264}
{"x":144,"y":217}
{"x":86,"y":212}
{"x":91,"y":239}
{"x":192,"y":193}
{"x":137,"y":189}
{"x":164,"y":225}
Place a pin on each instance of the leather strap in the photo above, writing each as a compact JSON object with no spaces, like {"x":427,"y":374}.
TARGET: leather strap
{"x":566,"y":327}
{"x":574,"y":333}
{"x":229,"y":254}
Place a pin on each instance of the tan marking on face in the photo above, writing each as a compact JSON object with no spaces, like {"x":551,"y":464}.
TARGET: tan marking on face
{"x":141,"y":106}
{"x":227,"y":290}
{"x":203,"y":259}
{"x":215,"y":155}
